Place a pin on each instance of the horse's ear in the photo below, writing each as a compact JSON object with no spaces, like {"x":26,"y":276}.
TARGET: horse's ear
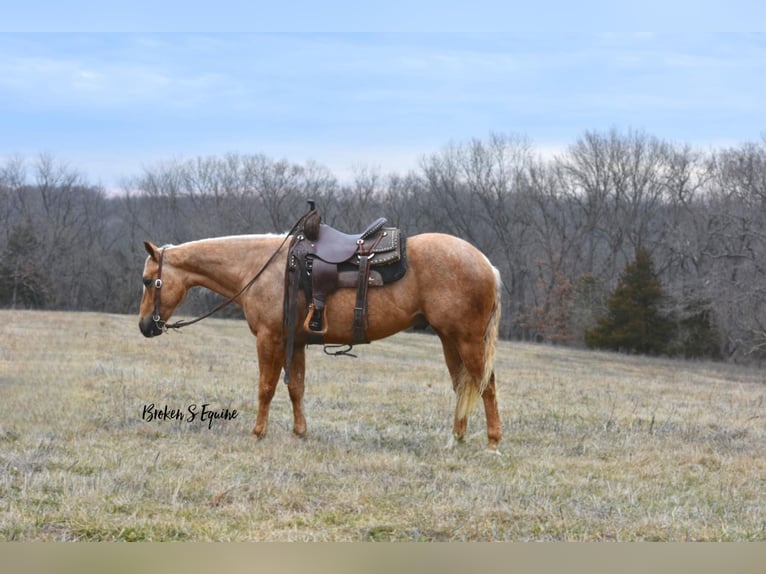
{"x":151,"y":249}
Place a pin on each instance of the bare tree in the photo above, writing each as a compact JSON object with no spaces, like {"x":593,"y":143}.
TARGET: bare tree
{"x":560,"y":231}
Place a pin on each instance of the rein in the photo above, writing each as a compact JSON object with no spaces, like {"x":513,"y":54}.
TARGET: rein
{"x":164,"y":326}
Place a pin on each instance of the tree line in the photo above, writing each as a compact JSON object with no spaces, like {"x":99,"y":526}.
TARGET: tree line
{"x":561,"y":230}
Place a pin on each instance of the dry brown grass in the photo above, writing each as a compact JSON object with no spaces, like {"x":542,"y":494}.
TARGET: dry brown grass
{"x":596,"y":446}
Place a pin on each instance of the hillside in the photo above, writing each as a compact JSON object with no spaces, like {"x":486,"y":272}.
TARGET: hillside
{"x":596,"y":446}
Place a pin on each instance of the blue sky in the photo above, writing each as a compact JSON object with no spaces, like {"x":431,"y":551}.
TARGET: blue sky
{"x":109,"y":103}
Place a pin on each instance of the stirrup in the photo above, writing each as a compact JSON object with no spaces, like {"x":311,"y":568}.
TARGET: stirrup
{"x":316,"y":321}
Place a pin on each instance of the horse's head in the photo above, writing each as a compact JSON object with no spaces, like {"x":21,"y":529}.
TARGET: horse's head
{"x":164,"y":290}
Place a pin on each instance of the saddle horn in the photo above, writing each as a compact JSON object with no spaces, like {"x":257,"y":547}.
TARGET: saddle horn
{"x":311,"y":222}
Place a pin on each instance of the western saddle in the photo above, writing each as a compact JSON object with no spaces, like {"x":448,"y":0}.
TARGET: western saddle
{"x":322,"y":260}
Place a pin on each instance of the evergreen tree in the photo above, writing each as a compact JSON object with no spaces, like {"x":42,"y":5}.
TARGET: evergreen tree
{"x":634,"y":321}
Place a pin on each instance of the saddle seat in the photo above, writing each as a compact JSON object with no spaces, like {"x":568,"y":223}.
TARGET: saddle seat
{"x":333,"y":246}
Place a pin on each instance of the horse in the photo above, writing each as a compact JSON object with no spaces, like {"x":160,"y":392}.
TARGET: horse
{"x":449,"y":284}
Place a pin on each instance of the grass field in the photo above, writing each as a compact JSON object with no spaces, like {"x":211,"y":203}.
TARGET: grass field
{"x":596,"y":446}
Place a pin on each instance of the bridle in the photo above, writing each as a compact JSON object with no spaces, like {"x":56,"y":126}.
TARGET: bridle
{"x":163,"y":326}
{"x":158,"y":322}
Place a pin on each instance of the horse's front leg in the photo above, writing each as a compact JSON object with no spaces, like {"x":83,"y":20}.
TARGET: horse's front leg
{"x":296,"y":387}
{"x":270,"y":360}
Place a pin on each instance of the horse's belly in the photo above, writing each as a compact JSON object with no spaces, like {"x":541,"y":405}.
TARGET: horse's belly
{"x":389,"y":310}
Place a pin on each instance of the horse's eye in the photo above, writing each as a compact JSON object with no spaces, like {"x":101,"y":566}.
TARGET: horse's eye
{"x":147,"y":283}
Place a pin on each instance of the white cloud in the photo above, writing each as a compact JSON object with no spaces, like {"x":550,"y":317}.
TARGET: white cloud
{"x":91,"y":83}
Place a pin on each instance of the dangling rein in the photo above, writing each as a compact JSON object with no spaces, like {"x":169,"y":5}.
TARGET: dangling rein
{"x":183,"y":323}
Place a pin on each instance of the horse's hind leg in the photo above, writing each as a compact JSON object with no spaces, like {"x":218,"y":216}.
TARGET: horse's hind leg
{"x":457,"y":373}
{"x":473,"y":356}
{"x":466,"y":366}
{"x":494,"y":433}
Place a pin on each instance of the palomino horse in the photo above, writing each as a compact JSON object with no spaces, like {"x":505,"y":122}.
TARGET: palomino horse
{"x":449,"y":285}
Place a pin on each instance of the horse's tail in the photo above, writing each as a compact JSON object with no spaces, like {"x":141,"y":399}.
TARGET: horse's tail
{"x":469,"y":392}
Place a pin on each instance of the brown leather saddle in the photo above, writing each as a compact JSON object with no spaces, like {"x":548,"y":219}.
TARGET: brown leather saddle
{"x":322,"y":259}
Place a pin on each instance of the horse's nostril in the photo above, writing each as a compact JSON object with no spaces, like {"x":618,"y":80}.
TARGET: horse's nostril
{"x":148,"y":327}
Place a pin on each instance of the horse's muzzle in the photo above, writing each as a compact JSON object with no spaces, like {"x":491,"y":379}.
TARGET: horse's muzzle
{"x":149,"y":327}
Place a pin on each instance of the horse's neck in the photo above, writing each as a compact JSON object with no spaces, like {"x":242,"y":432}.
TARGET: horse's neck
{"x":224,"y":265}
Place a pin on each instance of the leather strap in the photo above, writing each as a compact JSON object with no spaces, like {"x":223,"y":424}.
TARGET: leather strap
{"x":157,"y":292}
{"x":373,"y":228}
{"x":358,"y":334}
